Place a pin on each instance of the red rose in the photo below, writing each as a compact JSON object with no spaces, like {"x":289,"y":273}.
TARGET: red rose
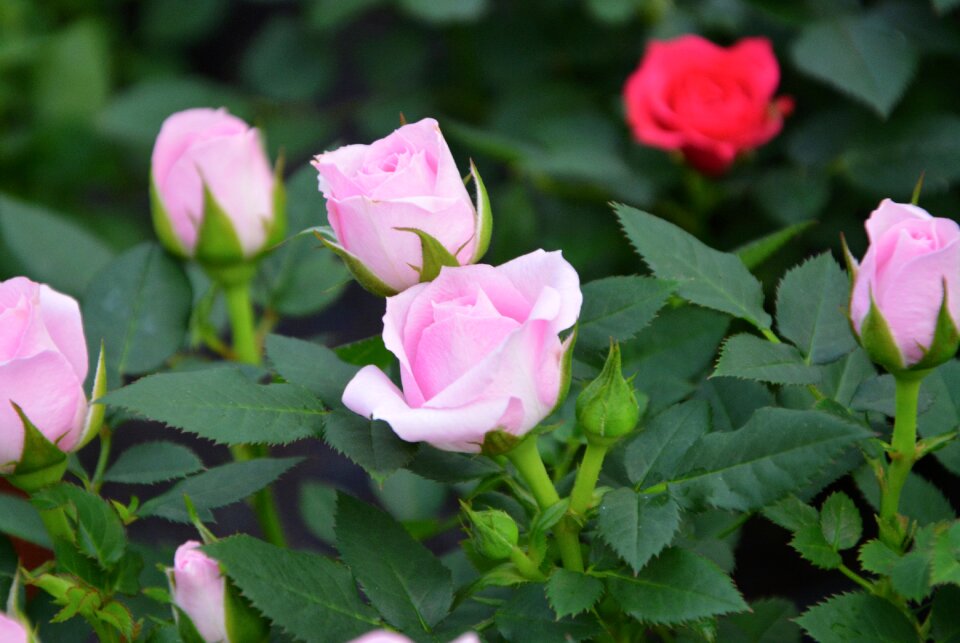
{"x":707,"y":101}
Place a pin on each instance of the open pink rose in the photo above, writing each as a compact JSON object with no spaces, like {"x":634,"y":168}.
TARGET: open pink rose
{"x":208,"y":147}
{"x":406,"y":180}
{"x":478,"y":350}
{"x":912,"y":263}
{"x":43,"y":362}
{"x":199,"y":590}
{"x":707,"y":101}
{"x":12,"y":631}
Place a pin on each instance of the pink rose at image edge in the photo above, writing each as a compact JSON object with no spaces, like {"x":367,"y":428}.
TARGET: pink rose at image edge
{"x":408,"y":179}
{"x":707,"y":101}
{"x":199,"y":590}
{"x":386,"y":636}
{"x":478,"y":350}
{"x":211,"y":147}
{"x":12,"y":631}
{"x":43,"y":364}
{"x":910,"y":257}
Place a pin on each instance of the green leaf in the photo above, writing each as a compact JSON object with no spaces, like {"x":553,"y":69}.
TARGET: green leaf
{"x":570,"y":592}
{"x":446,"y":466}
{"x":402,"y":579}
{"x":139,"y":307}
{"x":734,"y":401}
{"x":775,"y":453}
{"x":318,"y":508}
{"x":910,"y":576}
{"x":792,"y":514}
{"x":705,"y":276}
{"x":312,"y":366}
{"x":810,"y":543}
{"x":366,"y":351}
{"x":812,"y":300}
{"x":770,"y":621}
{"x":754,"y":253}
{"x":443,"y":13}
{"x":217,"y":487}
{"x":286,"y":62}
{"x":943,"y":415}
{"x":945,"y":559}
{"x":152,"y":462}
{"x":408,"y":497}
{"x":20,"y":519}
{"x":877,"y":558}
{"x":945,"y":617}
{"x":945,"y":6}
{"x":222,"y":405}
{"x":72,"y":76}
{"x":792,"y":195}
{"x":99,"y":532}
{"x":526,"y":616}
{"x":370,"y":443}
{"x":307,"y":595}
{"x":920,"y":499}
{"x":752,"y":357}
{"x":840,"y":521}
{"x":49,"y":247}
{"x":657,"y":452}
{"x":863,"y":56}
{"x":857,"y":617}
{"x":637,"y":526}
{"x":677,"y":586}
{"x":618,"y":308}
{"x":890,"y":165}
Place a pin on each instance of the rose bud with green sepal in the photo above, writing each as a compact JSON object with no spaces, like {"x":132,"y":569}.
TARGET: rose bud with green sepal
{"x":495,"y":533}
{"x":215,"y":197}
{"x":905,"y":303}
{"x":399,"y":211}
{"x":206,"y":605}
{"x":609,"y":407}
{"x":44,"y":411}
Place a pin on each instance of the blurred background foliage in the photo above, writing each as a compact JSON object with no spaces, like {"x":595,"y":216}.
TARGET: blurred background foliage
{"x":530,"y":90}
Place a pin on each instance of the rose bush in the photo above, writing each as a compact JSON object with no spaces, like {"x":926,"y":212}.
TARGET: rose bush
{"x":478,"y":351}
{"x":405,"y":180}
{"x":199,"y":589}
{"x":910,"y":270}
{"x":707,"y":101}
{"x":43,"y":363}
{"x":200,"y":151}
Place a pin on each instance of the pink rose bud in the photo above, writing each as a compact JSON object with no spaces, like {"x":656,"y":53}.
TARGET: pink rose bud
{"x":43,"y":363}
{"x":215,"y":195}
{"x":707,"y":101}
{"x":199,"y":590}
{"x":12,"y":631}
{"x":905,"y":305}
{"x":406,"y":180}
{"x":479,"y":351}
{"x":386,"y":636}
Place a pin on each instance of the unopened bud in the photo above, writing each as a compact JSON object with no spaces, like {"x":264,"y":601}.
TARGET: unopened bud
{"x":609,"y":407}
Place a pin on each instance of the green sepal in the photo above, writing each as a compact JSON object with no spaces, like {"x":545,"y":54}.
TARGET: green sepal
{"x":229,"y":275}
{"x":946,"y":338}
{"x":95,"y":412}
{"x":877,"y":339}
{"x":244,"y":624}
{"x":217,"y":240}
{"x":277,"y":226}
{"x":498,"y":442}
{"x":369,"y":281}
{"x":566,"y":369}
{"x":917,"y":188}
{"x":41,"y":462}
{"x":162,"y":225}
{"x":185,"y":627}
{"x":434,"y":255}
{"x":850,"y":261}
{"x":483,"y":227}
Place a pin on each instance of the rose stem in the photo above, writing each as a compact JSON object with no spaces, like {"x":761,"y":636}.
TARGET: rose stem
{"x":526,"y":458}
{"x":245,"y":348}
{"x":902,"y":455}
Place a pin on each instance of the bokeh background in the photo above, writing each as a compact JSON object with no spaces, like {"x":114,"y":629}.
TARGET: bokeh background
{"x":529,"y":90}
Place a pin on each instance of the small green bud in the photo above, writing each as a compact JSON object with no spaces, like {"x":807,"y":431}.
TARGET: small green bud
{"x":494,"y":532}
{"x":609,"y":407}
